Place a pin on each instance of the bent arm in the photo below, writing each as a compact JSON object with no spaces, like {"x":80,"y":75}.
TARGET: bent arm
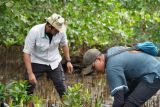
{"x":65,"y":50}
{"x":28,"y":48}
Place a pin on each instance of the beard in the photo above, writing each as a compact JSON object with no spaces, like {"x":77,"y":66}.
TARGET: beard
{"x":49,"y":34}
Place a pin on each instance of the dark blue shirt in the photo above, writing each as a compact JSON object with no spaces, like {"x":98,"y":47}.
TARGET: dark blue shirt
{"x":130,"y":66}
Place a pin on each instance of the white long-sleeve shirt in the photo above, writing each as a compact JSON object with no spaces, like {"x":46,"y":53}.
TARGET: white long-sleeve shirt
{"x":41,"y":51}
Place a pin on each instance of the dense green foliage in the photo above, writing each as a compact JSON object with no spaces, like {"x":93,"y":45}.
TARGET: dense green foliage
{"x":91,"y":21}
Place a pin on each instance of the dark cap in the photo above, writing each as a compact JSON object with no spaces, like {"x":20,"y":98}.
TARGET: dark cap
{"x":88,"y":58}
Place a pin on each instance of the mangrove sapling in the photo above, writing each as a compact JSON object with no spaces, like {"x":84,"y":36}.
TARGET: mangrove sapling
{"x":17,"y":93}
{"x":72,"y":96}
{"x":79,"y":96}
{"x":38,"y":101}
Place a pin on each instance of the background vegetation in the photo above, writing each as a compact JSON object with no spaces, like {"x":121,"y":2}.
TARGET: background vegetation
{"x":89,"y":21}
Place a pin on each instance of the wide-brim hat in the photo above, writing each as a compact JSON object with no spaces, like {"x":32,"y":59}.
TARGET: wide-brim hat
{"x":88,"y":58}
{"x":57,"y":21}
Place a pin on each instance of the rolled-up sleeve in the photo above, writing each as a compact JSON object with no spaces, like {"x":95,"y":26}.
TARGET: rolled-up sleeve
{"x":116,"y":77}
{"x":29,"y":42}
{"x":64,"y":40}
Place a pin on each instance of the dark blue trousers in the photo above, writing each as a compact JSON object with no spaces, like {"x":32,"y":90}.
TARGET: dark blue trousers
{"x":139,"y":93}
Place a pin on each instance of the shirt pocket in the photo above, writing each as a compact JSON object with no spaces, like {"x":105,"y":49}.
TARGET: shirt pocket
{"x":56,"y":41}
{"x":41,"y":47}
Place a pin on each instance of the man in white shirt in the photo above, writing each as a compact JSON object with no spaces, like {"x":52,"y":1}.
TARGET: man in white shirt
{"x":41,"y":54}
